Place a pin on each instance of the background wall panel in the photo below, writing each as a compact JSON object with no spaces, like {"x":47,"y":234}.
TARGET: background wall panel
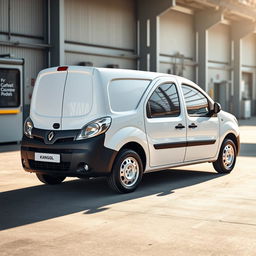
{"x":110,"y":23}
{"x":75,"y":58}
{"x":188,"y":72}
{"x":249,"y":50}
{"x":177,"y":37}
{"x":27,"y":17}
{"x":4,"y":15}
{"x":177,"y":34}
{"x":219,"y":58}
{"x":219,"y":43}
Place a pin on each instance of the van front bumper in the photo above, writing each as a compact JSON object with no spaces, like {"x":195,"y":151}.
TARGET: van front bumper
{"x":74,"y":155}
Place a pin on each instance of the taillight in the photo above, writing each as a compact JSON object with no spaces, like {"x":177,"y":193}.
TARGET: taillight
{"x":63,"y":68}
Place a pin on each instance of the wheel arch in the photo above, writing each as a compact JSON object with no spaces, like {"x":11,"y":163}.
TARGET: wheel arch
{"x":138,"y":149}
{"x":235,"y":139}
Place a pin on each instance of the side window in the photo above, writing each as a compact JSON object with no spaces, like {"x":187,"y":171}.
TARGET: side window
{"x":125,"y":94}
{"x":164,"y":102}
{"x":196,"y":103}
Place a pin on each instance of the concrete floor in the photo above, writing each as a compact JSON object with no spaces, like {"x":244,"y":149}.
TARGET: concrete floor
{"x":186,"y":211}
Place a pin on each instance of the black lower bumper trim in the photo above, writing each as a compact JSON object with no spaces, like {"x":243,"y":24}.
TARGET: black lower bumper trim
{"x":73,"y":157}
{"x":37,"y":165}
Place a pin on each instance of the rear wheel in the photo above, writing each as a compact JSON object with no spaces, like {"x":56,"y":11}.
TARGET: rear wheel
{"x":127,"y":172}
{"x":49,"y":179}
{"x":227,"y":157}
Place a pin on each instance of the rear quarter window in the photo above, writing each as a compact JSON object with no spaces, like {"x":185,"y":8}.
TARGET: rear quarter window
{"x":125,"y":94}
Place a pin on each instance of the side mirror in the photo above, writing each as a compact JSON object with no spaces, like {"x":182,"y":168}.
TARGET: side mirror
{"x":216,"y":108}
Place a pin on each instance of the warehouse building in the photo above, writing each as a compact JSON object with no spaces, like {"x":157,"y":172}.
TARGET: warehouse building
{"x":211,"y":42}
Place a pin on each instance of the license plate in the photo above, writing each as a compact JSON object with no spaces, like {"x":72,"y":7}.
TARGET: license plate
{"x":45,"y":157}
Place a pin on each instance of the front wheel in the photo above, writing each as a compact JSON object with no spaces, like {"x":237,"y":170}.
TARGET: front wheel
{"x":227,"y":157}
{"x":127,"y":172}
{"x":49,"y":179}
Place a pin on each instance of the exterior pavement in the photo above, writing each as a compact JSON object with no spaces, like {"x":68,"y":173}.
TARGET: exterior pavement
{"x":184,"y":211}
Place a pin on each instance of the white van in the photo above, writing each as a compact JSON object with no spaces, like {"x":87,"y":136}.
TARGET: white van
{"x":88,"y":122}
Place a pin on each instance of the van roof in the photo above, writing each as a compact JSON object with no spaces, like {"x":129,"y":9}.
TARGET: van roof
{"x":112,"y":73}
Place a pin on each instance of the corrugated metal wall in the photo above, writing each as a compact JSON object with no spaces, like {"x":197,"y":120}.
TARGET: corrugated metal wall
{"x":26,"y":26}
{"x":110,"y":23}
{"x":177,"y":36}
{"x":4,"y":15}
{"x":27,"y":17}
{"x":106,"y":25}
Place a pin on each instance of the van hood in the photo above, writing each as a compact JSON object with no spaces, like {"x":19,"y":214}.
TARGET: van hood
{"x":228,"y":116}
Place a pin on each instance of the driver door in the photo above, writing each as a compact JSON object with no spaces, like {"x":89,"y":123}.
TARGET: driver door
{"x":165,"y":123}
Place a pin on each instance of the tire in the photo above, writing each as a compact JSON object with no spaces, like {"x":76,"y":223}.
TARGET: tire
{"x":49,"y":179}
{"x":227,"y":157}
{"x":127,"y":172}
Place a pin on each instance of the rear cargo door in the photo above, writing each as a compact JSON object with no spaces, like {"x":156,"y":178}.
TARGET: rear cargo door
{"x":78,"y":99}
{"x":47,"y":100}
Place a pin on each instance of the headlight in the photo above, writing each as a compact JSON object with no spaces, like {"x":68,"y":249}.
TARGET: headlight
{"x":28,"y":126}
{"x":94,"y":128}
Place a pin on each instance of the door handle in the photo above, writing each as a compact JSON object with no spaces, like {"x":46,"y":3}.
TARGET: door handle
{"x":180,"y":126}
{"x":193,"y":125}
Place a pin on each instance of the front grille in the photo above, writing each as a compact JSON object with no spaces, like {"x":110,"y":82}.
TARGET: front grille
{"x":37,"y":165}
{"x":63,"y":140}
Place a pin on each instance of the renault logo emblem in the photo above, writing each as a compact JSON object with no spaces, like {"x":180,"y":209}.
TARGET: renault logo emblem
{"x":50,"y":135}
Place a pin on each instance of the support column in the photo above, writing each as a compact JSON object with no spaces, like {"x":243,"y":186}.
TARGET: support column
{"x":148,"y":41}
{"x":238,"y":31}
{"x":56,"y":28}
{"x":204,"y":20}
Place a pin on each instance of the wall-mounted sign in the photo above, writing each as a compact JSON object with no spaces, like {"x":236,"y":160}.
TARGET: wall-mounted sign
{"x":9,"y":87}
